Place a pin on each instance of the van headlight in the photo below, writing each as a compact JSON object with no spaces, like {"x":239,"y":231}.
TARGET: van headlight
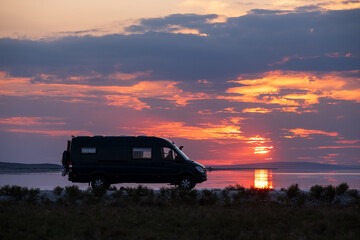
{"x":200,"y":169}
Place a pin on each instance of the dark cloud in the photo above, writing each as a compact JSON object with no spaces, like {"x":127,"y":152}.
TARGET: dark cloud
{"x":246,"y":44}
{"x":184,"y":20}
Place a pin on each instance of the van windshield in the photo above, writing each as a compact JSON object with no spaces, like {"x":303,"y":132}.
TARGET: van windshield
{"x":181,"y":153}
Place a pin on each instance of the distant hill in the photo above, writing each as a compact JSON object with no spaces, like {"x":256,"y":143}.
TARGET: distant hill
{"x":23,"y":167}
{"x":283,"y":165}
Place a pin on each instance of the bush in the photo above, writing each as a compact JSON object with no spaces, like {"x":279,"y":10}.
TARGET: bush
{"x":225,"y":197}
{"x":262,"y":193}
{"x":188,"y":196}
{"x":73,"y":193}
{"x":237,"y":187}
{"x":342,"y":188}
{"x":140,"y":194}
{"x":293,"y":191}
{"x":98,"y":192}
{"x":353,"y":193}
{"x":329,"y":192}
{"x":118,"y":193}
{"x":32,"y":195}
{"x":20,"y":193}
{"x":58,"y":190}
{"x":208,"y":197}
{"x":316,"y":191}
{"x":17,"y":192}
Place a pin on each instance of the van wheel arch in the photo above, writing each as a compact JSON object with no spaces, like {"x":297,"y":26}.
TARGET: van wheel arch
{"x":99,"y":181}
{"x":186,"y":181}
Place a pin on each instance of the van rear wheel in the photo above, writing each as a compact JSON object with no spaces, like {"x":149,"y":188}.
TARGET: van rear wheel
{"x":186,"y":182}
{"x":99,"y":181}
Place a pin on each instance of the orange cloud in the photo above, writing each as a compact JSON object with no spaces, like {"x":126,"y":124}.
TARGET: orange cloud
{"x":300,"y":132}
{"x":335,"y":147}
{"x":256,"y":110}
{"x":202,"y":132}
{"x":31,"y":121}
{"x":125,"y":100}
{"x":125,"y":96}
{"x":294,"y":89}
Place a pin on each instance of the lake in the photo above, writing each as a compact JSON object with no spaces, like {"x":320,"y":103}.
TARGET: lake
{"x":260,"y":178}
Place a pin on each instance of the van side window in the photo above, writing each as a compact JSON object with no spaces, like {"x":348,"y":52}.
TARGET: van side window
{"x":88,"y":150}
{"x":168,"y":154}
{"x":141,"y":153}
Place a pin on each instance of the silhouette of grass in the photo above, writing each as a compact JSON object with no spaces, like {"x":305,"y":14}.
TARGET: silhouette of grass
{"x":249,"y":221}
{"x":170,"y":213}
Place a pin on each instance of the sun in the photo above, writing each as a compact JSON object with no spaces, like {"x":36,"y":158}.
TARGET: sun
{"x":262,"y":149}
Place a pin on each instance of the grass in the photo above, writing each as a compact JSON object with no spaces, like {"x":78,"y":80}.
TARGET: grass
{"x":177,"y":222}
{"x":139,"y":213}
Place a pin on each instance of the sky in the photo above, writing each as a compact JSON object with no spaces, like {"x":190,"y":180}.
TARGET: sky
{"x":233,"y":81}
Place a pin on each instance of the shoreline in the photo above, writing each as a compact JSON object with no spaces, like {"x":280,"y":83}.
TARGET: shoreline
{"x":318,"y":195}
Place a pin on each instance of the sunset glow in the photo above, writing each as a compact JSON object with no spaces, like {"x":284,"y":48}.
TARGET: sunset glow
{"x":262,"y":150}
{"x":263,"y":179}
{"x":233,"y":82}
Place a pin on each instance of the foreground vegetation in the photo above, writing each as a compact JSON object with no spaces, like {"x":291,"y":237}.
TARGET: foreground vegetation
{"x":169,"y":213}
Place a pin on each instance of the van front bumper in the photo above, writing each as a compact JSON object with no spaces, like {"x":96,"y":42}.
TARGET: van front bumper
{"x":201,"y":178}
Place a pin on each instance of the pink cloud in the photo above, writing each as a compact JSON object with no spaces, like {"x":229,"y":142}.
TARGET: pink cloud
{"x":53,"y":133}
{"x":28,"y":121}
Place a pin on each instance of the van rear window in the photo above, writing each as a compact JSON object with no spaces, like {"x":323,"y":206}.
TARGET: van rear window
{"x":141,"y":153}
{"x":88,"y":150}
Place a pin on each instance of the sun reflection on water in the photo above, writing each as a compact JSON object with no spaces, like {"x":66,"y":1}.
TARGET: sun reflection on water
{"x":263,"y":178}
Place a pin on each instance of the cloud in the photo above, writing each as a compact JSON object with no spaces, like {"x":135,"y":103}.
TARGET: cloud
{"x":232,"y":89}
{"x":295,"y":90}
{"x":31,"y":121}
{"x":245,"y":44}
{"x":299,"y":132}
{"x":53,"y":133}
{"x":125,"y":96}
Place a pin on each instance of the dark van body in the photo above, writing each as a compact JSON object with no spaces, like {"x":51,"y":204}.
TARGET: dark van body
{"x":106,"y":160}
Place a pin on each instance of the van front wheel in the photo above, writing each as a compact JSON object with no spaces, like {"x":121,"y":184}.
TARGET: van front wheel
{"x":99,"y":181}
{"x":186,"y":182}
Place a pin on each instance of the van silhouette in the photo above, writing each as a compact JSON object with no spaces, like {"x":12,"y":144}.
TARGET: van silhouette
{"x":102,"y":161}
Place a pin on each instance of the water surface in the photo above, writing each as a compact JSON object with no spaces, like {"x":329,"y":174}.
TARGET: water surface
{"x":275,"y":179}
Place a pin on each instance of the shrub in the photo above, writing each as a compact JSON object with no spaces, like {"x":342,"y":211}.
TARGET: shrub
{"x":225,"y":196}
{"x":188,"y":196}
{"x":353,"y":193}
{"x":329,"y":192}
{"x":98,"y":192}
{"x":316,"y":191}
{"x":72,"y":193}
{"x":342,"y":188}
{"x":140,"y":194}
{"x":32,"y":195}
{"x":262,"y":193}
{"x":293,"y":191}
{"x":17,"y":192}
{"x":118,"y":193}
{"x":237,"y":187}
{"x":58,"y":190}
{"x":208,"y":197}
{"x":164,"y":193}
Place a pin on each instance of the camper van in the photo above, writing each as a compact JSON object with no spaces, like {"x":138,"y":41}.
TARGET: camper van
{"x":102,"y":161}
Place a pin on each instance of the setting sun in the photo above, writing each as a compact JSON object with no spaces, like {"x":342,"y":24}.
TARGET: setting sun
{"x":263,"y":179}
